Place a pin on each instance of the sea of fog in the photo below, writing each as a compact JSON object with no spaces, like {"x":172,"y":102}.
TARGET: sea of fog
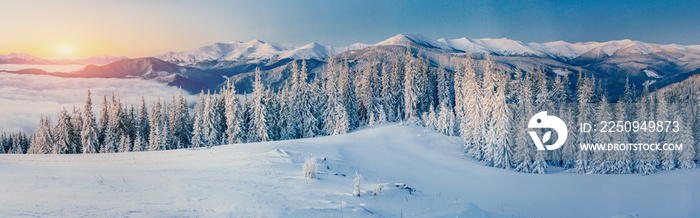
{"x":48,"y":68}
{"x":24,"y":98}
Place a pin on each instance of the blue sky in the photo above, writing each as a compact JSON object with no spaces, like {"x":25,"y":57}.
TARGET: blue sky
{"x":141,"y":28}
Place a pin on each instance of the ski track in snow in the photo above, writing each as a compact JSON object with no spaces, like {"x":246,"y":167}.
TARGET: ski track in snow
{"x":266,"y":179}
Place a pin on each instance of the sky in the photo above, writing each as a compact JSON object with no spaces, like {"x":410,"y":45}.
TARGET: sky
{"x":132,"y":28}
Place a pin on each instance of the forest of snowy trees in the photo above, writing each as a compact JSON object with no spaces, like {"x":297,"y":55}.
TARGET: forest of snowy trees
{"x":486,"y":106}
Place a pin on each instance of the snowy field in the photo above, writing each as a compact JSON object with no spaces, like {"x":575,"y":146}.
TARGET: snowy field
{"x":266,"y":180}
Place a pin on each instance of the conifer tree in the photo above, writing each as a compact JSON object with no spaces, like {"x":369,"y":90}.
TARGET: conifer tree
{"x":524,"y":154}
{"x":42,"y":142}
{"x":77,"y":119}
{"x":684,"y":137}
{"x":487,"y":97}
{"x":396,"y":87}
{"x":180,"y":122}
{"x":104,"y":123}
{"x":584,"y":93}
{"x":63,"y":135}
{"x":144,"y":127}
{"x":124,"y":143}
{"x":139,"y":143}
{"x":197,"y":127}
{"x":210,"y":122}
{"x":471,"y":123}
{"x":234,"y":131}
{"x":155,"y":135}
{"x":540,"y":165}
{"x":446,"y":117}
{"x":335,"y":116}
{"x":411,"y":89}
{"x":600,"y":163}
{"x":386,"y":95}
{"x":623,"y":161}
{"x":90,"y":141}
{"x":568,"y":154}
{"x":500,"y":124}
{"x":258,"y":126}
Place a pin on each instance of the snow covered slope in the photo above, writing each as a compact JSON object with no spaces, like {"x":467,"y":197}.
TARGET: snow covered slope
{"x":266,"y":180}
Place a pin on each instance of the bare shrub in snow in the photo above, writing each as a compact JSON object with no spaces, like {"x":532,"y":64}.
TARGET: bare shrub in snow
{"x":310,"y":168}
{"x":378,"y":189}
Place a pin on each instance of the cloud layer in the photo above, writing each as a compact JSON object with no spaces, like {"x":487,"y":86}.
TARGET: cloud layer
{"x":48,"y":68}
{"x":24,"y":98}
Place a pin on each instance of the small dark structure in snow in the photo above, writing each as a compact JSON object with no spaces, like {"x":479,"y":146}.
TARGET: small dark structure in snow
{"x":404,"y":186}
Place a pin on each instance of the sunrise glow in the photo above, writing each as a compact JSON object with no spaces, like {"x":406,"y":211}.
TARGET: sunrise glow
{"x":65,"y":50}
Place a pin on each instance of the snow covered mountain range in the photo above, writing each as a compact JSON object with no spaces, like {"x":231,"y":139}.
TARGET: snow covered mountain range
{"x":210,"y":66}
{"x":257,"y":49}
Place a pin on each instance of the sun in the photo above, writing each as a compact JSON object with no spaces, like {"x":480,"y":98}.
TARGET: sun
{"x":65,"y":50}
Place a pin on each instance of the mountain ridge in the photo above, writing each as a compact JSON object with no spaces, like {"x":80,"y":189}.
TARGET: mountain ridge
{"x":500,"y":46}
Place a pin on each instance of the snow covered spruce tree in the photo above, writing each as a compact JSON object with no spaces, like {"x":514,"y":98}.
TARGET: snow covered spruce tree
{"x":156,"y":135}
{"x":645,"y":160}
{"x":684,"y":136}
{"x":197,"y":134}
{"x":347,"y":93}
{"x":523,"y":157}
{"x":180,"y":123}
{"x":600,"y":163}
{"x":396,"y":90}
{"x":301,"y":122}
{"x":65,"y":140}
{"x":103,"y":124}
{"x":666,"y":159}
{"x":42,"y":142}
{"x":622,"y":162}
{"x":234,"y":131}
{"x":210,"y":121}
{"x":364,"y":91}
{"x":486,"y":149}
{"x":499,"y":123}
{"x":560,"y":104}
{"x":568,"y":153}
{"x":90,"y":142}
{"x":335,"y":116}
{"x":446,"y":123}
{"x":471,"y":122}
{"x":257,"y":131}
{"x":114,"y":128}
{"x":411,"y":90}
{"x":584,"y":92}
{"x":386,"y":98}
{"x":141,"y":142}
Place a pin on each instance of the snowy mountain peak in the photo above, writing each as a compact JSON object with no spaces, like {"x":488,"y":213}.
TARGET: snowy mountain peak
{"x":21,"y":57}
{"x":255,"y":49}
{"x":412,"y":38}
